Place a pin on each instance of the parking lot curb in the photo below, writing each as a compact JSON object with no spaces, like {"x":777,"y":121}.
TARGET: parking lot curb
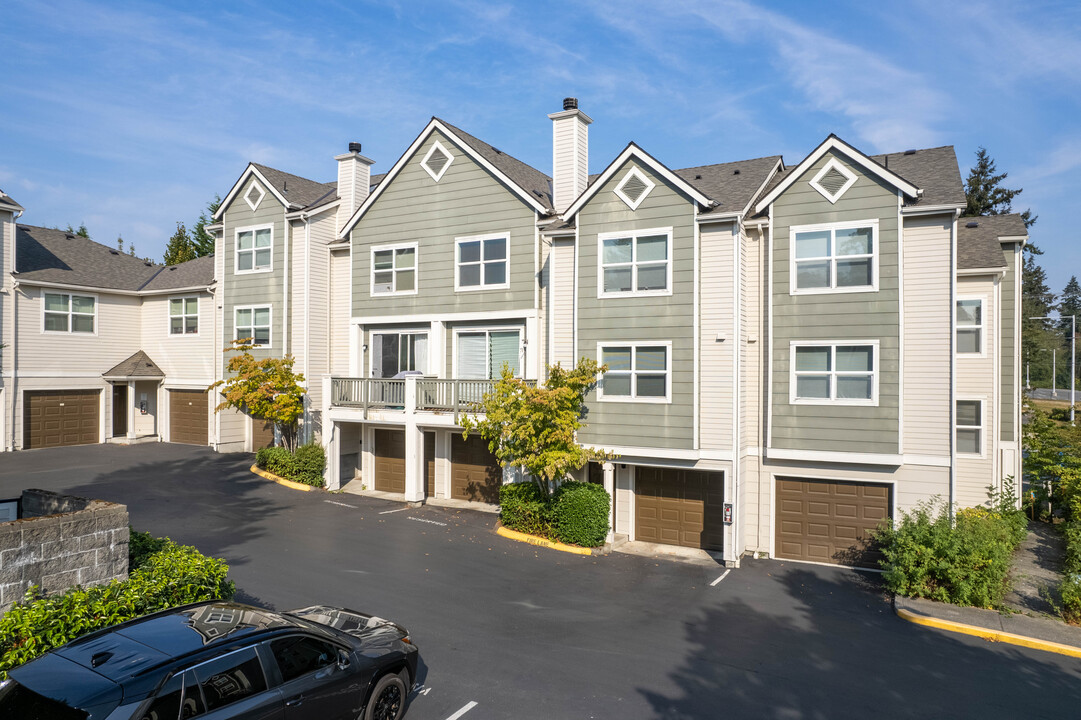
{"x":541,"y":542}
{"x":281,"y":481}
{"x":987,"y":634}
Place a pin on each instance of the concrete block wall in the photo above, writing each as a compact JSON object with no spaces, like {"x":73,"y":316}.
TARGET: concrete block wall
{"x":60,"y":541}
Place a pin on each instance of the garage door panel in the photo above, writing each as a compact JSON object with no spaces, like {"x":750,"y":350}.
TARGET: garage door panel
{"x":679,"y":507}
{"x":476,"y":474}
{"x":56,"y":418}
{"x":389,"y":454}
{"x":829,"y":521}
{"x":188,"y":417}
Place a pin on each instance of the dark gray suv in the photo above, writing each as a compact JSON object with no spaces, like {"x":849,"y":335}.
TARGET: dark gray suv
{"x":219,"y":660}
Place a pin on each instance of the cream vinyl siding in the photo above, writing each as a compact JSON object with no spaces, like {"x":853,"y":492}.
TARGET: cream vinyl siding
{"x":927,"y":337}
{"x":717,"y":336}
{"x":1009,"y":348}
{"x":976,"y":380}
{"x":319,"y":308}
{"x":339,"y":312}
{"x":544,"y":262}
{"x":561,"y":267}
{"x":234,"y":427}
{"x":145,"y":425}
{"x":756,"y":490}
{"x":118,"y":324}
{"x":180,"y":357}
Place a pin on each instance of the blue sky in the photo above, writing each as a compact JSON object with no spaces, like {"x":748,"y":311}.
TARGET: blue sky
{"x":130,"y":116}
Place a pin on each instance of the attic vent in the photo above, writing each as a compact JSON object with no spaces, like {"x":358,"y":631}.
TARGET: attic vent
{"x":634,"y":188}
{"x":437,"y":161}
{"x":972,"y":224}
{"x":254,"y":196}
{"x":833,"y":180}
{"x":114,"y":252}
{"x":736,"y":171}
{"x":910,"y":152}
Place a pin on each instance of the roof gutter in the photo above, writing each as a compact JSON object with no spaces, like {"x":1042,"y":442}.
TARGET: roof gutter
{"x":111,"y":291}
{"x":718,"y":217}
{"x":931,"y":209}
{"x":998,"y":272}
{"x":304,"y":214}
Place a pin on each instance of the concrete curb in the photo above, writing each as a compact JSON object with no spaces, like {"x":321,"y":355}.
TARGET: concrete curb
{"x":281,"y":481}
{"x":987,"y":634}
{"x":541,"y":542}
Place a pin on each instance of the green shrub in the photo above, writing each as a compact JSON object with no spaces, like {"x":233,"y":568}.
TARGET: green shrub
{"x":311,"y":461}
{"x":173,"y":575}
{"x":1071,"y":598}
{"x":580,"y":513}
{"x":522,"y":507}
{"x":277,"y":460}
{"x":142,"y":545}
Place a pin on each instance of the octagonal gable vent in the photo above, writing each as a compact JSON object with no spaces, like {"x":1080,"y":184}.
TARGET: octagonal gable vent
{"x":634,"y":188}
{"x":436,"y":161}
{"x":833,"y":180}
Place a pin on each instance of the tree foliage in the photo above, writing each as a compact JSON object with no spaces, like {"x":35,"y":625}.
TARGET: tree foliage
{"x":536,"y":427}
{"x":180,"y":247}
{"x":985,"y":194}
{"x":266,"y":389}
{"x":202,"y":241}
{"x":81,"y":232}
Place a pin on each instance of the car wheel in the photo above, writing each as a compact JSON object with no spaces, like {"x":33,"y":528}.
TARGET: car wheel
{"x":388,"y":699}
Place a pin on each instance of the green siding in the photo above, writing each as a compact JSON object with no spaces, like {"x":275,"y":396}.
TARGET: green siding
{"x":664,"y":318}
{"x":837,"y":316}
{"x":466,"y":201}
{"x":255,"y":288}
{"x":1008,"y":348}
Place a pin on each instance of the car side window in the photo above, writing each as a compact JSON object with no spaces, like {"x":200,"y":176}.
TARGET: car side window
{"x":298,"y":655}
{"x":230,"y":678}
{"x":176,"y":700}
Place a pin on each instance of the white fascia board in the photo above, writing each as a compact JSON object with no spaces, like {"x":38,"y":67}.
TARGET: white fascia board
{"x":998,"y":272}
{"x":656,"y":166}
{"x":834,"y":457}
{"x":777,"y":167}
{"x":835,"y":143}
{"x":11,"y":206}
{"x":464,"y":317}
{"x":113,"y":291}
{"x":432,"y":126}
{"x":248,"y":172}
{"x":304,"y":214}
{"x":718,"y":217}
{"x":930,"y":209}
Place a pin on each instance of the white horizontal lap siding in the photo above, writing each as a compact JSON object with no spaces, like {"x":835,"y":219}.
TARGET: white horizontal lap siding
{"x":717,"y":337}
{"x":561,"y":262}
{"x":180,"y":357}
{"x":545,"y":309}
{"x":117,"y":323}
{"x":752,"y":375}
{"x":339,"y":312}
{"x":298,"y":247}
{"x":320,"y":311}
{"x":976,"y":380}
{"x":234,"y":427}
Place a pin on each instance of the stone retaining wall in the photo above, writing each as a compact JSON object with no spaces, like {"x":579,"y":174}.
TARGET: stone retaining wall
{"x":60,"y":541}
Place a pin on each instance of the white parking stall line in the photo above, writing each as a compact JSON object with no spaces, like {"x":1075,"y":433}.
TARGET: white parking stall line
{"x":335,"y":502}
{"x":469,"y":706}
{"x":722,"y":577}
{"x":430,"y":522}
{"x":388,"y":512}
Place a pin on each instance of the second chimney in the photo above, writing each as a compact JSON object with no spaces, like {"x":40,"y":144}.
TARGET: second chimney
{"x":354,"y":180}
{"x":570,"y":153}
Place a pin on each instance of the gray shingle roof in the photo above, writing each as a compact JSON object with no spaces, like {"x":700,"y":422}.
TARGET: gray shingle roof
{"x":528,"y":178}
{"x":978,"y":243}
{"x":138,"y":365}
{"x":6,"y":199}
{"x":732,"y":185}
{"x":57,"y":256}
{"x":300,"y":192}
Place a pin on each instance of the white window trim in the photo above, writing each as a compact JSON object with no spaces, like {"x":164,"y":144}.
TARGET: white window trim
{"x":457,"y":261}
{"x":634,"y":172}
{"x":666,"y":400}
{"x":169,"y":316}
{"x":982,"y":400}
{"x":431,"y":151}
{"x":833,"y":164}
{"x":982,"y":327}
{"x":634,"y":235}
{"x":875,"y":254}
{"x":236,"y":249}
{"x":262,"y":194}
{"x":395,"y":331}
{"x":69,"y":331}
{"x":489,"y":329}
{"x":270,"y":323}
{"x":875,"y":373}
{"x":416,"y":270}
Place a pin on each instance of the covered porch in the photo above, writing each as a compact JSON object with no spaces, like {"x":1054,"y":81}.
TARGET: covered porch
{"x":135,"y":400}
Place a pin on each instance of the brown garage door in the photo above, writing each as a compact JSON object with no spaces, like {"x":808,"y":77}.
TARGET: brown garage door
{"x":188,"y":417}
{"x":429,"y":464}
{"x":475,"y":473}
{"x":679,"y":507}
{"x":829,"y":521}
{"x":55,"y":418}
{"x":390,"y":461}
{"x":262,"y":434}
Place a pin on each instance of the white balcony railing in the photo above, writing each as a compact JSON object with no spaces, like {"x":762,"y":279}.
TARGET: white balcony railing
{"x":431,"y":395}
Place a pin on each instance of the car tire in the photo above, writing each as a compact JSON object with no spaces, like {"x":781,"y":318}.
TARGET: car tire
{"x":388,"y":699}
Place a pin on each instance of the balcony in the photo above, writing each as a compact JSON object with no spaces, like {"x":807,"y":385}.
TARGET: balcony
{"x":410,"y":395}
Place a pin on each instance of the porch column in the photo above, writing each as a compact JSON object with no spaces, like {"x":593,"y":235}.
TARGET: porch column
{"x":332,"y":441}
{"x":131,"y":409}
{"x":414,"y":446}
{"x":610,"y":488}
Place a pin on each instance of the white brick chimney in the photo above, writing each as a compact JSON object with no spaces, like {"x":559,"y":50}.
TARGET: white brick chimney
{"x":570,"y":153}
{"x":354,"y":179}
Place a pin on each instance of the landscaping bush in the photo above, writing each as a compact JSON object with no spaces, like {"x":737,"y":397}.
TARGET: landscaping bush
{"x":277,"y":460}
{"x":142,"y":545}
{"x":580,"y":514}
{"x":967,"y":563}
{"x":170,"y":576}
{"x":305,"y":466}
{"x":1071,"y":585}
{"x":523,"y":507}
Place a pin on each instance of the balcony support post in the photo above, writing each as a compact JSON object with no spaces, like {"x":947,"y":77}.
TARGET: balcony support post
{"x":414,"y":446}
{"x":610,"y":488}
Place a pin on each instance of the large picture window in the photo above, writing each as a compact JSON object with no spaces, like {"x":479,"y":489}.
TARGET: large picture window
{"x":254,"y":249}
{"x":835,"y":258}
{"x":635,"y":263}
{"x":482,"y":263}
{"x":394,"y":270}
{"x":253,"y":323}
{"x":64,"y":313}
{"x":393,"y":353}
{"x":843,"y":374}
{"x":639,"y":372}
{"x":969,"y":423}
{"x":184,"y":316}
{"x":483,"y":353}
{"x":970,"y":327}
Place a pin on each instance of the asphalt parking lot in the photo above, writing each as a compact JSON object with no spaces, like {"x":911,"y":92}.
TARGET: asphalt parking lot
{"x":508,"y":630}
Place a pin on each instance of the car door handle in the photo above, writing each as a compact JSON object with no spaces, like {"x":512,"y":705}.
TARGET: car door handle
{"x":294,"y":701}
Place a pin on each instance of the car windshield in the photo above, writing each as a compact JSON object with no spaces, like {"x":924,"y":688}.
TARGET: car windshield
{"x":17,"y":701}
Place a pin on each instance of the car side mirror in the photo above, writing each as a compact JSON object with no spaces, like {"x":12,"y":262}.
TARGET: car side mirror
{"x":343,"y":660}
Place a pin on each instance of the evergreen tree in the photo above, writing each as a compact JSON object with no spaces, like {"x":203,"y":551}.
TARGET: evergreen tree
{"x":1038,"y":337}
{"x":180,"y":248}
{"x":1069,"y":304}
{"x":81,"y":232}
{"x":986,"y":196}
{"x":202,"y":241}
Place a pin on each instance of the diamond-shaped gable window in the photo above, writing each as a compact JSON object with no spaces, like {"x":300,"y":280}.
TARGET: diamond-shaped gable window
{"x":633,"y":188}
{"x":833,"y":180}
{"x":254,"y":196}
{"x":437,"y":161}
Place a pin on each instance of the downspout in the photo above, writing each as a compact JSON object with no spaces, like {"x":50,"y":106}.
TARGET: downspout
{"x":286,"y":267}
{"x":953,"y":365}
{"x":14,"y":325}
{"x":307,"y":322}
{"x":737,"y":351}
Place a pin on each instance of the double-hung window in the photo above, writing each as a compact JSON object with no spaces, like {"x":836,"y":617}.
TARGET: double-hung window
{"x":969,"y":422}
{"x":394,"y":270}
{"x":970,"y":326}
{"x":482,"y":262}
{"x":254,"y":249}
{"x":828,"y":373}
{"x":184,"y":316}
{"x":636,"y":371}
{"x":64,"y":313}
{"x":635,"y":263}
{"x":393,"y":353}
{"x":253,"y":324}
{"x":840,"y":257}
{"x":482,"y":354}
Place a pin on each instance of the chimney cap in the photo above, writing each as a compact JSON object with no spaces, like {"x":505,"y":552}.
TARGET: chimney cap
{"x":354,"y":147}
{"x":570,"y":103}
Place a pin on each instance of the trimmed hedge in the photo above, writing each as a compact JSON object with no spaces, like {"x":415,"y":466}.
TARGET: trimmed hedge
{"x":305,"y":466}
{"x":1071,"y":584}
{"x":576,"y":513}
{"x":159,"y":579}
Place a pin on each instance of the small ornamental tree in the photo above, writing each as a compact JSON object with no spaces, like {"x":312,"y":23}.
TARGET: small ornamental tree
{"x":266,"y":389}
{"x":536,"y":427}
